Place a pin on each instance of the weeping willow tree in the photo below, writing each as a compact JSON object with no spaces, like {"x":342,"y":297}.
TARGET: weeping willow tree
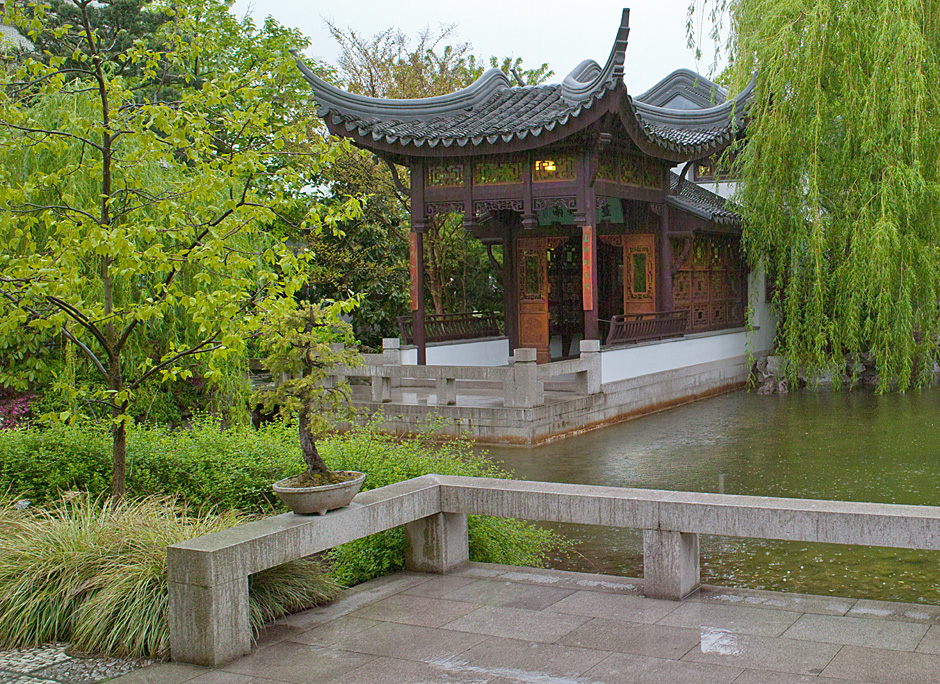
{"x":840,"y":174}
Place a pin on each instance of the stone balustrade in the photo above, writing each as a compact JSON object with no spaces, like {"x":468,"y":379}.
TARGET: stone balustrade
{"x":208,"y":576}
{"x":523,"y":381}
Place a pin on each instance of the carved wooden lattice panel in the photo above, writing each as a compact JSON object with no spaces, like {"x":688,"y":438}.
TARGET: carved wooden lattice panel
{"x":445,"y":174}
{"x":639,"y":273}
{"x":682,"y":289}
{"x":557,"y":167}
{"x":713,"y":276}
{"x":489,"y":171}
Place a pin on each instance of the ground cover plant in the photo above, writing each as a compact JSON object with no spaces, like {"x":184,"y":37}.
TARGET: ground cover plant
{"x":83,"y":568}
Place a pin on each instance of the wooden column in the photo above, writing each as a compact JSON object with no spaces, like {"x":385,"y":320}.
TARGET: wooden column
{"x":665,"y":299}
{"x":589,"y":281}
{"x":585,"y":218}
{"x":418,"y":227}
{"x":510,"y":291}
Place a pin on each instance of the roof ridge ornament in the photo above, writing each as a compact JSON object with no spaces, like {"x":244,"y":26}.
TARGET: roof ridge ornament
{"x":698,"y":119}
{"x":330,"y":97}
{"x":588,"y":79}
{"x":697,"y":89}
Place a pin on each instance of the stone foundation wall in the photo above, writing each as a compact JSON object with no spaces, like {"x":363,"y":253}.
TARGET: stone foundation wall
{"x":617,"y":401}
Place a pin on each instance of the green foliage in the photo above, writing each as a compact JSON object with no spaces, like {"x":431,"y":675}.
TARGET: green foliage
{"x":134,"y":189}
{"x":234,"y":468}
{"x":303,"y":347}
{"x":204,"y":466}
{"x":386,"y":460}
{"x":840,"y":176}
{"x":93,"y":572}
{"x":299,"y":350}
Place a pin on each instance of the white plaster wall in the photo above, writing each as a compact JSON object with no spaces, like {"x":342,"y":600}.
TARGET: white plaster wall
{"x":761,"y":340}
{"x":656,"y":357}
{"x":493,"y":351}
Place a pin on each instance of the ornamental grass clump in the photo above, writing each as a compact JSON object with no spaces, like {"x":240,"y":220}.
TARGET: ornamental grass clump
{"x":93,"y":572}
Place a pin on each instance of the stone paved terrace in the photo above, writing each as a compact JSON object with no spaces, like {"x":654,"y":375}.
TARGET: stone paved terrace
{"x":489,"y":624}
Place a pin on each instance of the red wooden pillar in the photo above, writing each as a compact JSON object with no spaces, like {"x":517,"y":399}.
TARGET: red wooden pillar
{"x":585,"y":217}
{"x":666,"y":302}
{"x":416,"y":269}
{"x":589,"y":281}
{"x":510,"y":292}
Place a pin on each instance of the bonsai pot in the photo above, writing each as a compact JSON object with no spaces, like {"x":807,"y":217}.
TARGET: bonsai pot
{"x":310,"y":500}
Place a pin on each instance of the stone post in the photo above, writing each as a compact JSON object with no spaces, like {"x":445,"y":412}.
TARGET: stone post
{"x":446,"y":389}
{"x":670,"y":564}
{"x":208,"y":624}
{"x":381,"y":386}
{"x":589,"y":380}
{"x":437,"y":543}
{"x":391,"y":350}
{"x":524,"y":387}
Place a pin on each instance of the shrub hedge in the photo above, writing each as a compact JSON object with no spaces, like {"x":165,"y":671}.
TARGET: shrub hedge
{"x":232,"y":469}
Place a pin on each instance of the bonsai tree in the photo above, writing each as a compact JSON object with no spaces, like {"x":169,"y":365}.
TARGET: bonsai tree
{"x":301,"y":350}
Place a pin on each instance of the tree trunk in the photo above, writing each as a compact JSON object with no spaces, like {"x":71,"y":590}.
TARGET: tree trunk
{"x":118,"y":428}
{"x":308,"y":449}
{"x":118,"y":456}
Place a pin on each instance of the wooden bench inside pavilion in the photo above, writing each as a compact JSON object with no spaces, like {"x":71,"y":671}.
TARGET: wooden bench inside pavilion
{"x":601,"y":239}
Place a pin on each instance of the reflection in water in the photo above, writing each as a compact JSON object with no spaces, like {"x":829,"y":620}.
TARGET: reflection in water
{"x":847,"y":446}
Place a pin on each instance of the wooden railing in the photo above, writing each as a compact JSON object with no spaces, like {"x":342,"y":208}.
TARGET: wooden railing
{"x":448,"y":327}
{"x":627,"y":328}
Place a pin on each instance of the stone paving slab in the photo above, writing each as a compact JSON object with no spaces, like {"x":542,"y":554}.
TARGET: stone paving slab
{"x":741,"y":619}
{"x":491,"y":624}
{"x":855,"y":631}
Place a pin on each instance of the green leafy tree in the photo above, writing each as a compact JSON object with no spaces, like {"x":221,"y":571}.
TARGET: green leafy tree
{"x":840,"y":175}
{"x":128,"y":218}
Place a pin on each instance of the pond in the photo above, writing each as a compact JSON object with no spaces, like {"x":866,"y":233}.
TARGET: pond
{"x":817,"y":445}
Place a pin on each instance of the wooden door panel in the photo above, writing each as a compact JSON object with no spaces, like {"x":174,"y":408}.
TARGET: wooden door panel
{"x":639,"y":273}
{"x":532,"y":295}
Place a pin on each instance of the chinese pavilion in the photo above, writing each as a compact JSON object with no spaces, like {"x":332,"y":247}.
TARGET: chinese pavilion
{"x":574,"y":181}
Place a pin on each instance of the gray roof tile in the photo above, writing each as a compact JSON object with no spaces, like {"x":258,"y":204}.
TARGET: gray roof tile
{"x":490,"y":110}
{"x":701,"y":202}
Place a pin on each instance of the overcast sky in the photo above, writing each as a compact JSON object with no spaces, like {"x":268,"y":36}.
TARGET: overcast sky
{"x":562,"y":33}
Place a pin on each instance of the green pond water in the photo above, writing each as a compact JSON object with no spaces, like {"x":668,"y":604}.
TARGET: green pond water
{"x":816,"y":445}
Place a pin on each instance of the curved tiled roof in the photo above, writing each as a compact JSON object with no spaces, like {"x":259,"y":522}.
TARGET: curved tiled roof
{"x":490,"y":111}
{"x":697,"y":200}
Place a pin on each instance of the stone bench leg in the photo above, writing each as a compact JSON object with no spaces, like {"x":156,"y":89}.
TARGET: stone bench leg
{"x":670,"y":564}
{"x":437,"y":543}
{"x":446,"y":389}
{"x":209,"y":625}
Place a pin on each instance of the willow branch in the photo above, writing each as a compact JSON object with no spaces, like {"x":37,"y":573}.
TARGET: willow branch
{"x":200,"y":348}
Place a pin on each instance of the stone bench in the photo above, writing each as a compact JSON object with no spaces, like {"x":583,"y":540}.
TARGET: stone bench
{"x":208,"y":576}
